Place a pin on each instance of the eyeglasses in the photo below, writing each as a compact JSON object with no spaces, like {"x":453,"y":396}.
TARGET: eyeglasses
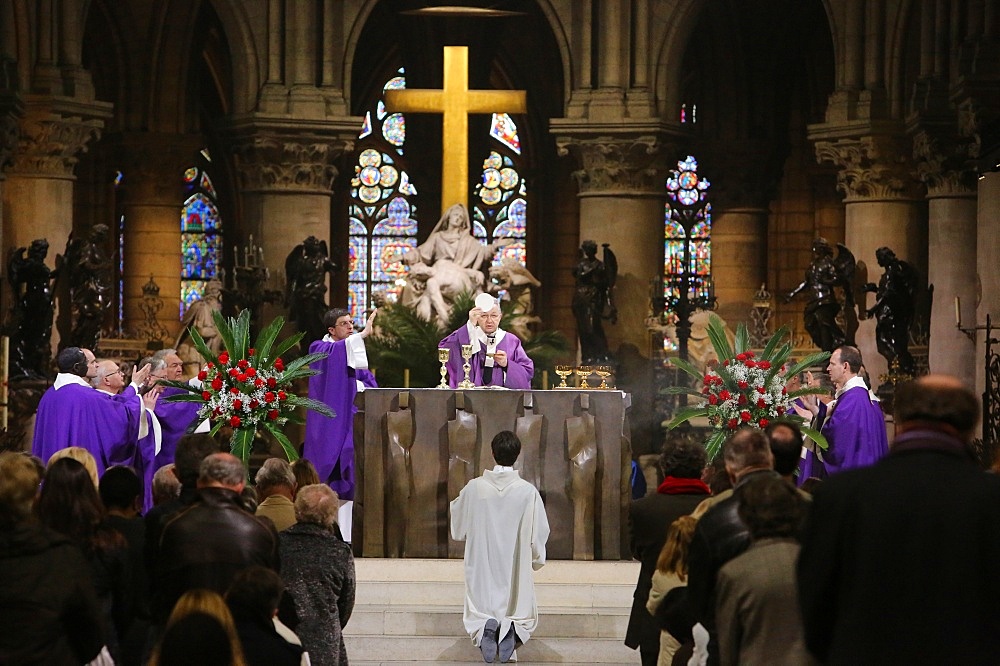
{"x":346,"y":323}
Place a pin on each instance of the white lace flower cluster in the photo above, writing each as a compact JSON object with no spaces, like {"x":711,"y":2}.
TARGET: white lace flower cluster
{"x":744,"y":391}
{"x":242,"y":394}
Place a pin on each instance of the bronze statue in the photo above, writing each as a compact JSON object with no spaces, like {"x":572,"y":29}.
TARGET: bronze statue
{"x":894,"y":308}
{"x":592,"y":301}
{"x":31,"y":328}
{"x":824,"y":275}
{"x":89,"y":271}
{"x":305,"y":296}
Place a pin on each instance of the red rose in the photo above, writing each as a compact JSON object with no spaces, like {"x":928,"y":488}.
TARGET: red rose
{"x":763,"y":422}
{"x":282,"y":395}
{"x":251,"y":372}
{"x":233,"y":372}
{"x":780,"y":410}
{"x":761,"y":404}
{"x":279,"y":365}
{"x":202,"y":376}
{"x":217,"y":411}
{"x":741,"y":357}
{"x":783,"y":390}
{"x":259,"y":383}
{"x":743,"y":385}
{"x":749,"y":354}
{"x":254,"y":404}
{"x":744,"y":416}
{"x":268,"y":397}
{"x":726,"y":362}
{"x":206,"y":396}
{"x":724,"y":395}
{"x":235,"y":422}
{"x":732,"y":424}
{"x":712,"y":400}
{"x":764,"y":365}
{"x":271,"y":382}
{"x":210,"y":365}
{"x":217,"y":383}
{"x":251,"y":351}
{"x":241,"y":377}
{"x":224,"y":358}
{"x":234,"y":390}
{"x":751,"y":364}
{"x":761,"y":390}
{"x":237,"y":404}
{"x":272,"y":414}
{"x":708,"y":380}
{"x":743,"y":399}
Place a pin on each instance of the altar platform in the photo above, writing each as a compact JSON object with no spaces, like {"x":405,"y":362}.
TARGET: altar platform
{"x":416,"y":448}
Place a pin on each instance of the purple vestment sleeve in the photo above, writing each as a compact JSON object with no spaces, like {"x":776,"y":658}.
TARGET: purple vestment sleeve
{"x":329,"y":443}
{"x":366,"y":378}
{"x":175,"y":419}
{"x":855,"y":430}
{"x":517,"y":375}
{"x":78,"y":415}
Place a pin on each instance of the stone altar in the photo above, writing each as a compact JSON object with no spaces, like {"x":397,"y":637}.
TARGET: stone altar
{"x":416,"y":448}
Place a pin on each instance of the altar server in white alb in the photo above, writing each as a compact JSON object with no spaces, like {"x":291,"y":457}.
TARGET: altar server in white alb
{"x":501,"y":518}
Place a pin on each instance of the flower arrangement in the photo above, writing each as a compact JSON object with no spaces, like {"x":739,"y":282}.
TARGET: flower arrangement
{"x":745,"y":389}
{"x":250,"y":388}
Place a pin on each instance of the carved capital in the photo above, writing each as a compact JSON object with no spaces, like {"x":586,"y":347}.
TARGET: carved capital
{"x":10,"y":131}
{"x":945,"y":165}
{"x":617,"y":164}
{"x":285,"y":163}
{"x":53,"y":134}
{"x":872,"y":167}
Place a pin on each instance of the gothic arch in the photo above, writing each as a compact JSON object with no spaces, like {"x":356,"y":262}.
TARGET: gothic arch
{"x":673,"y":42}
{"x":248,"y":67}
{"x":15,"y":38}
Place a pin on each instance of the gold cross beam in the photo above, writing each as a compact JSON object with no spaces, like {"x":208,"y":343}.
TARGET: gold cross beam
{"x":455,"y":102}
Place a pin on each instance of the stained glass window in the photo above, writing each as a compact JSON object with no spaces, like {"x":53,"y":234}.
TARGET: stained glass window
{"x":687,"y":255}
{"x":201,"y":233}
{"x":500,"y":204}
{"x":382,"y":221}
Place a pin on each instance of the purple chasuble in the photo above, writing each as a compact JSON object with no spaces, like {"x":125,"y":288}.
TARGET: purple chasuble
{"x":144,"y":458}
{"x":517,"y":374}
{"x":329,"y":443}
{"x":175,"y":418}
{"x":855,"y":430}
{"x":78,"y":415}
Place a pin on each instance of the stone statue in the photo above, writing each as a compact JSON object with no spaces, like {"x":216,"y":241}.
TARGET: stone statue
{"x":512,"y":282}
{"x":31,"y":328}
{"x":89,"y":271}
{"x":894,"y":308}
{"x":199,"y":317}
{"x":305,"y":296}
{"x":592,"y":300}
{"x":447,"y":264}
{"x":824,"y":275}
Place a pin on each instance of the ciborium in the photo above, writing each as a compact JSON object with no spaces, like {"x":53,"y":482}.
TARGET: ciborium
{"x":603,"y":371}
{"x":466,"y":367}
{"x":583,"y":374}
{"x":443,"y":355}
{"x":563,"y":371}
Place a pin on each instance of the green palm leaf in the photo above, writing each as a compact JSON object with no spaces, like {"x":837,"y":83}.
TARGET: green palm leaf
{"x":290,"y":451}
{"x":687,"y":414}
{"x":242,"y":443}
{"x":717,"y":334}
{"x":267,"y":336}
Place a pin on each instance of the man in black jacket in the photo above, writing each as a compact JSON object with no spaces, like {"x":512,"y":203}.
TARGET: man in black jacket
{"x":899,"y":560}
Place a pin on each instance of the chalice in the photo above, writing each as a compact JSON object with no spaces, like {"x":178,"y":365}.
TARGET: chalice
{"x":583,"y":374}
{"x":603,"y":371}
{"x":443,"y":355}
{"x":563,"y":371}
{"x":466,"y":354}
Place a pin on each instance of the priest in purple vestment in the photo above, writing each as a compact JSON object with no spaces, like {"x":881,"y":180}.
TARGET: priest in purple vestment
{"x":175,"y":418}
{"x":498,"y":359}
{"x":73,"y":413}
{"x":853,"y":423}
{"x":329,"y":442}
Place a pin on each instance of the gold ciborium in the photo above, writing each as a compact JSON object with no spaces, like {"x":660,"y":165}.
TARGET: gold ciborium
{"x":583,"y":374}
{"x":563,"y":371}
{"x":466,"y":354}
{"x":603,"y":371}
{"x":443,"y":355}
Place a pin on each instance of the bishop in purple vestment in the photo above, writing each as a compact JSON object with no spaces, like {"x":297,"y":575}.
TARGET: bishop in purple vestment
{"x":329,"y":442}
{"x":853,"y":423}
{"x":176,"y":418}
{"x":73,"y":413}
{"x":498,"y":359}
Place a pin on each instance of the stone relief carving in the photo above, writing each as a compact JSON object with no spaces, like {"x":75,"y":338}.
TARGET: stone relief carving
{"x":871,"y":167}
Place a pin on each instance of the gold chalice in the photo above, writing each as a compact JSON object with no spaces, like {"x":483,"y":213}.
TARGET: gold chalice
{"x":583,"y":374}
{"x":466,"y":354}
{"x":563,"y":371}
{"x":443,"y":355}
{"x":603,"y":371}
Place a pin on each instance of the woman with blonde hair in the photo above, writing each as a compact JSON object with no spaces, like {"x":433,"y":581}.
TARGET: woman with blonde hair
{"x":79,"y":454}
{"x":671,"y":574}
{"x":200,"y":631}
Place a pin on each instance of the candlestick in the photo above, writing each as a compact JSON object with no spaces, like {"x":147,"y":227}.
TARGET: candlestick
{"x":958,"y":312}
{"x":406,"y":378}
{"x":545,"y":380}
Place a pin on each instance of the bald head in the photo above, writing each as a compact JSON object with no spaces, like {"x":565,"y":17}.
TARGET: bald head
{"x":938,"y":401}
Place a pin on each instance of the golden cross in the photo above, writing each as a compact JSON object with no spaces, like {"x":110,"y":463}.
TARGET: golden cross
{"x":455,"y":102}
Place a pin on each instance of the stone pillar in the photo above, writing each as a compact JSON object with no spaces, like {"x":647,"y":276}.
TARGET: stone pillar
{"x":151,"y":197}
{"x":987,"y":251}
{"x":881,"y":209}
{"x":739,"y":260}
{"x":10,"y":115}
{"x":951,"y":253}
{"x":621,"y":203}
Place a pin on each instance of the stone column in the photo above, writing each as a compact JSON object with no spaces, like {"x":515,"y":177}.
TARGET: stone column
{"x":151,"y":197}
{"x":10,"y":115}
{"x":881,"y":209}
{"x":987,"y":251}
{"x":621,"y":203}
{"x":951,"y":254}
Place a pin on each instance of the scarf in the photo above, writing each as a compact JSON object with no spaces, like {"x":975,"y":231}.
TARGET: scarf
{"x":673,"y":485}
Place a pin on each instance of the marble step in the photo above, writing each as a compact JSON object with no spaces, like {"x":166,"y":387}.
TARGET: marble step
{"x":441,"y":649}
